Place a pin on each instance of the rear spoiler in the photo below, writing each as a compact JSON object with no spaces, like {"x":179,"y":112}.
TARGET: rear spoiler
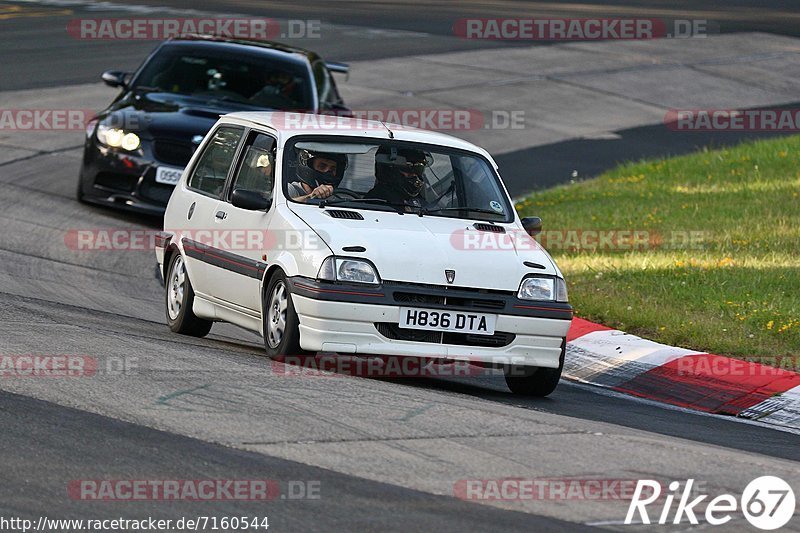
{"x":341,"y":68}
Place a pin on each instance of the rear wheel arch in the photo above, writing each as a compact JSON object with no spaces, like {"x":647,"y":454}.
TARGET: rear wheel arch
{"x":179,"y":300}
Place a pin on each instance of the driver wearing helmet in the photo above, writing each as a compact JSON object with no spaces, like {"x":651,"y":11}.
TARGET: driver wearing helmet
{"x":399,"y":175}
{"x":319,"y":173}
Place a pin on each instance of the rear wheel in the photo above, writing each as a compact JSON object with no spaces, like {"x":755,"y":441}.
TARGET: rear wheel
{"x":281,"y":325}
{"x":534,"y":380}
{"x":179,"y":297}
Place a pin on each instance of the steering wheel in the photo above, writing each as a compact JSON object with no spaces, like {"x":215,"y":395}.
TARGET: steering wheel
{"x":345,"y":194}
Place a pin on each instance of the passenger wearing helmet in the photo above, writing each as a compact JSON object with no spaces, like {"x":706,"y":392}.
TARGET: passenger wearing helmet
{"x":399,"y":176}
{"x":319,"y":174}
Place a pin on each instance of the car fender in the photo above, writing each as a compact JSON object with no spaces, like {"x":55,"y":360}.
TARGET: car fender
{"x":301,"y":250}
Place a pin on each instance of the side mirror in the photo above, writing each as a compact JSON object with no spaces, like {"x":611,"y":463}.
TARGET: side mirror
{"x":341,"y":68}
{"x":532,"y":225}
{"x":114,"y":78}
{"x":250,"y":200}
{"x":339,"y":110}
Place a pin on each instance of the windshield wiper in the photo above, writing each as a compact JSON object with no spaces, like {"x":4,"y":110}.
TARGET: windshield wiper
{"x":400,"y":207}
{"x":425,"y":211}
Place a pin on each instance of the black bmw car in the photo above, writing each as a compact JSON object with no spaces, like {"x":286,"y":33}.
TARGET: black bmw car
{"x":138,"y":146}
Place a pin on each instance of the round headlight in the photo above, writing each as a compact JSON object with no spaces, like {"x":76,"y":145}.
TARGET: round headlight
{"x":114,"y":137}
{"x":130,"y":141}
{"x":117,"y":138}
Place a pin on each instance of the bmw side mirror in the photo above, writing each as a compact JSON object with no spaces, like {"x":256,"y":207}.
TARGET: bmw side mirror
{"x":114,"y":78}
{"x":532,"y":225}
{"x":250,"y":200}
{"x":337,"y":109}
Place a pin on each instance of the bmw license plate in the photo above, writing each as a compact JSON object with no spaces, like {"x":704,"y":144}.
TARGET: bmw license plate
{"x":441,"y":320}
{"x":168,"y":175}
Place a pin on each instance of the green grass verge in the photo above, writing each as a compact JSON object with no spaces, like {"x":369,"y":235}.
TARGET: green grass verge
{"x":721,"y":270}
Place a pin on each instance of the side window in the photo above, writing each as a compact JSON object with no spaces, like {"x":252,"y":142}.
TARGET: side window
{"x":257,"y":169}
{"x":209,"y":173}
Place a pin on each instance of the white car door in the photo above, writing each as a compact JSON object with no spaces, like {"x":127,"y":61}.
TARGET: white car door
{"x":238,"y":263}
{"x":197,"y":227}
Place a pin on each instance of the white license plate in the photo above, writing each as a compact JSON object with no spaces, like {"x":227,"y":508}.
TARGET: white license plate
{"x":441,"y":320}
{"x":168,"y":175}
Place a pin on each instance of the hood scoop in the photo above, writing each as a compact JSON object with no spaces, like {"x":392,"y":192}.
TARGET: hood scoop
{"x":340,"y":213}
{"x":489,"y":227}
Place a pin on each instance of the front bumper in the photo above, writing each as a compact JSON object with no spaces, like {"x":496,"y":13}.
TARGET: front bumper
{"x":359,"y":320}
{"x":126,"y":180}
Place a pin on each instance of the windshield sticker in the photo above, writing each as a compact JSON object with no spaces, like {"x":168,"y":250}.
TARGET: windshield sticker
{"x":495,"y":205}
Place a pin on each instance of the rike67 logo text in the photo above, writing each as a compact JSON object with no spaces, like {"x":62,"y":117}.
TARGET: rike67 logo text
{"x":767,"y":502}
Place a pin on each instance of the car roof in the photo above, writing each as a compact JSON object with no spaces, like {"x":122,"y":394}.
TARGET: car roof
{"x":270,"y":49}
{"x":292,"y":124}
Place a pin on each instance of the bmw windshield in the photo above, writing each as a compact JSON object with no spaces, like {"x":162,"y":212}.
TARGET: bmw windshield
{"x":222,"y":76}
{"x":395,"y":176}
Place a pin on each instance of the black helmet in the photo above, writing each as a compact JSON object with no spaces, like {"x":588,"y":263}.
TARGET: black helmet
{"x":401,"y":169}
{"x":307,"y":173}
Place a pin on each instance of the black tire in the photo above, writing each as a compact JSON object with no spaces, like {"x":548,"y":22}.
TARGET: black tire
{"x":288,"y":342}
{"x":180,"y":318}
{"x":533,"y":380}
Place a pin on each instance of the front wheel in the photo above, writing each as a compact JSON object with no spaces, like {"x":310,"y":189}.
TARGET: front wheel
{"x":281,"y":325}
{"x":179,"y":299}
{"x":534,"y":380}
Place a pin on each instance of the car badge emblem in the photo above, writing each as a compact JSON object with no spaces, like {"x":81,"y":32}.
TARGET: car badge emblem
{"x":450,"y":275}
{"x":197,"y":139}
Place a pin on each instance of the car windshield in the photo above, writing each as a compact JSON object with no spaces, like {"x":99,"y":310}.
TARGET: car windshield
{"x":223,"y":76}
{"x":399,"y":176}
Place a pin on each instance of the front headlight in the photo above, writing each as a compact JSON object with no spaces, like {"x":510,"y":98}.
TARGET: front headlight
{"x":346,"y":269}
{"x":117,"y":138}
{"x":543,"y":288}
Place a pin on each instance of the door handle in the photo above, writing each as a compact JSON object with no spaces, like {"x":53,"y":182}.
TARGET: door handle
{"x":221,"y":215}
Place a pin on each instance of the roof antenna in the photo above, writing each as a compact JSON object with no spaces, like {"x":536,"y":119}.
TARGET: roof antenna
{"x":391,"y":135}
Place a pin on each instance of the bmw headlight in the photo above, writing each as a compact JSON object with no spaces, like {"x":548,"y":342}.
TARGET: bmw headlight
{"x":347,"y":269}
{"x":117,"y":138}
{"x":543,"y":288}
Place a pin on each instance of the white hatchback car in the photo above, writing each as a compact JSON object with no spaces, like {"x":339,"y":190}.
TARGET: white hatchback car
{"x":328,"y":234}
